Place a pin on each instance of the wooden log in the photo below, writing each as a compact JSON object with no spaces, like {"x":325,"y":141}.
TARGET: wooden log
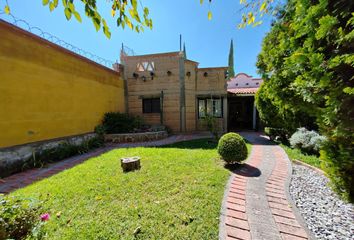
{"x":130,"y":164}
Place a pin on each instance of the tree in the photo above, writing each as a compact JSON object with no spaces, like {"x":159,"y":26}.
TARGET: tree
{"x":129,"y":14}
{"x":231,"y":70}
{"x":307,"y":62}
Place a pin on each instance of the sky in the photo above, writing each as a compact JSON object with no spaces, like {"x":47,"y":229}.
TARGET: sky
{"x":207,"y":41}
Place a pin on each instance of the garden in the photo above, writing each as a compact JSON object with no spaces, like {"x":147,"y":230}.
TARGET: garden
{"x":176,"y":194}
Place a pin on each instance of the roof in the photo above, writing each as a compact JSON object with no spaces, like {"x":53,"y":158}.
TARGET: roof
{"x":213,"y":68}
{"x":249,"y":76}
{"x":243,"y":90}
{"x":155,"y":55}
{"x":191,"y":61}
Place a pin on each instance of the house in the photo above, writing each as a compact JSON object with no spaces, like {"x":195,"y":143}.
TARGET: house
{"x":242,"y":111}
{"x":169,"y":89}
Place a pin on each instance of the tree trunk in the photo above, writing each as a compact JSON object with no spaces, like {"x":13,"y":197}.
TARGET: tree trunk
{"x":130,"y":164}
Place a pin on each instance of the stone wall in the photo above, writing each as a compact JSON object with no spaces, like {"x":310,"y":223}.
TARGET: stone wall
{"x":135,"y":137}
{"x":14,"y":159}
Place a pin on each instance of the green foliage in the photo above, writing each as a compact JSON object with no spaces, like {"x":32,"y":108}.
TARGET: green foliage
{"x":128,"y":14}
{"x":231,"y":71}
{"x":308,"y":68}
{"x":176,"y":194}
{"x":62,"y":151}
{"x":100,"y":130}
{"x":232,"y":148}
{"x":338,"y":162}
{"x":20,"y":218}
{"x":308,"y":141}
{"x":297,"y":154}
{"x":273,"y":133}
{"x":115,"y":122}
{"x":212,"y":126}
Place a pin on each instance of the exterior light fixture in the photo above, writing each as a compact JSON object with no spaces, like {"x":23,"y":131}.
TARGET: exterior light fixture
{"x":135,"y":75}
{"x":152,"y":74}
{"x":205,"y":74}
{"x":188,"y":74}
{"x":169,"y":73}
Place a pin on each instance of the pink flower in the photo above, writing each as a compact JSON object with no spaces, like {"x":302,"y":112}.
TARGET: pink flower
{"x":45,"y":217}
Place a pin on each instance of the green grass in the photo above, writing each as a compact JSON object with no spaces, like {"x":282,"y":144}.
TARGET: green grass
{"x":296,"y":154}
{"x":177,"y":194}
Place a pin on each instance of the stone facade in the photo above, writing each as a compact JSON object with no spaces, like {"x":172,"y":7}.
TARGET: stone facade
{"x":13,"y":159}
{"x":135,"y":137}
{"x":178,"y":83}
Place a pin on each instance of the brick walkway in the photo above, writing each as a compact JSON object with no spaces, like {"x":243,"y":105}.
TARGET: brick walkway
{"x":257,"y":204}
{"x":25,"y":178}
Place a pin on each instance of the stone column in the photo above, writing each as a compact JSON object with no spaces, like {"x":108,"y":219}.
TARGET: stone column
{"x":182,"y":102}
{"x":254,"y":118}
{"x":225,"y":114}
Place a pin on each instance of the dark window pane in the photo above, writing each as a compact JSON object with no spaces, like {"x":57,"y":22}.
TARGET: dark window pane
{"x":146,"y":106}
{"x":151,"y":105}
{"x":155,"y":105}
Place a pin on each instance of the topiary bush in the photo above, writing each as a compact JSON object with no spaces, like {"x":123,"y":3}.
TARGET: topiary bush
{"x":232,"y":148}
{"x":308,"y":141}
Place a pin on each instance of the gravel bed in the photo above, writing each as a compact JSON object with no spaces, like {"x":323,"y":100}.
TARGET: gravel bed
{"x":325,"y":214}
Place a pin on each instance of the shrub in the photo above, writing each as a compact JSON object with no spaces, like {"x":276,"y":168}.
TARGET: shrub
{"x":20,"y":218}
{"x":308,"y":141}
{"x":273,"y":133}
{"x":100,"y":130}
{"x":115,"y":122}
{"x":339,"y":165}
{"x":211,"y":124}
{"x":62,"y":151}
{"x":303,"y":73}
{"x":232,"y":148}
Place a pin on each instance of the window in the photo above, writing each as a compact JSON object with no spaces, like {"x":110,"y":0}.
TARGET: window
{"x":145,"y":66}
{"x":151,"y":105}
{"x":210,"y":106}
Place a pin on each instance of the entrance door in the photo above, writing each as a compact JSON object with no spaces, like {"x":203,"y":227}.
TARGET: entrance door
{"x":240,"y":113}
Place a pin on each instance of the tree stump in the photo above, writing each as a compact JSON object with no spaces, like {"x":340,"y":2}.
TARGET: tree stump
{"x":130,"y":164}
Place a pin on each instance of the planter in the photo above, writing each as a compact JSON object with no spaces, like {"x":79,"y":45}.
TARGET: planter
{"x":135,"y":137}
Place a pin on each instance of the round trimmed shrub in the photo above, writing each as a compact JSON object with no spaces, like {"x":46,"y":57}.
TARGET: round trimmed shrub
{"x":232,"y":148}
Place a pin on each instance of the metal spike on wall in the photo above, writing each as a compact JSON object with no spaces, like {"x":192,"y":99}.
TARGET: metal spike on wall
{"x":9,"y":18}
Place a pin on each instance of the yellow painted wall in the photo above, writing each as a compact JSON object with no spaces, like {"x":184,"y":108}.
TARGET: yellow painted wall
{"x":48,"y":92}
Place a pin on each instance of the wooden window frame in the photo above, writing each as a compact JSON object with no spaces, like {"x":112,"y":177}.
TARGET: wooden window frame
{"x":205,"y":102}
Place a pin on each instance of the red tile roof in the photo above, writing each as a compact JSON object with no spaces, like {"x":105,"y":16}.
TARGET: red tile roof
{"x":243,"y":90}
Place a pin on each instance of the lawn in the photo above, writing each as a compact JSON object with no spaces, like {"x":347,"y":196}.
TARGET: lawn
{"x":177,"y":194}
{"x":296,"y":154}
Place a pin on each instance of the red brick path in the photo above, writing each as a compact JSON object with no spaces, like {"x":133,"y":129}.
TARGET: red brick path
{"x":282,"y":212}
{"x":236,"y":222}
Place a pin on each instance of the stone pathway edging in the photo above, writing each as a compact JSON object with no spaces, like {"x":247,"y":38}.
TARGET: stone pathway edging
{"x":222,"y":229}
{"x":296,"y":211}
{"x":260,"y":206}
{"x":309,"y":166}
{"x":22,"y":179}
